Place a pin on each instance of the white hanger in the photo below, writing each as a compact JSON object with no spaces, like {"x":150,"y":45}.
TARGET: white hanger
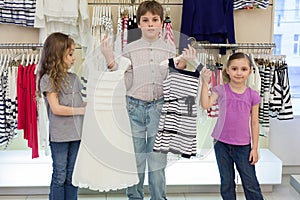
{"x":23,"y":59}
{"x":36,"y":59}
{"x":27,"y":60}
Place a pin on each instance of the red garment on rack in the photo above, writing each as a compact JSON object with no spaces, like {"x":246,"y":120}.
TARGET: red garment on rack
{"x":27,"y":107}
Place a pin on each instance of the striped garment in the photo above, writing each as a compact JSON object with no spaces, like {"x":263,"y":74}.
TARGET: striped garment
{"x":177,"y":125}
{"x":280,"y":104}
{"x":244,"y":4}
{"x":18,"y":12}
{"x":8,"y":109}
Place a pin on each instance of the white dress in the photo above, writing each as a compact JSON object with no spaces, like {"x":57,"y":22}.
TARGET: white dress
{"x":106,"y":159}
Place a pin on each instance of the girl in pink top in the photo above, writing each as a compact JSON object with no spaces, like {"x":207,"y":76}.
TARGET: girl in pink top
{"x":237,"y":129}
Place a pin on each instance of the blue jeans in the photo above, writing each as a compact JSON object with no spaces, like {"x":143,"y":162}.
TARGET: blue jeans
{"x":144,"y":120}
{"x":226,"y":156}
{"x":63,"y":157}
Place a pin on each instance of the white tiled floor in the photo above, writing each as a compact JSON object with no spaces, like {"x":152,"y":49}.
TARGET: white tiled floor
{"x":280,"y":192}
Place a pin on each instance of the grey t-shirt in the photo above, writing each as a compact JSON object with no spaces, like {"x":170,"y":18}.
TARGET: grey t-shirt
{"x":64,"y":128}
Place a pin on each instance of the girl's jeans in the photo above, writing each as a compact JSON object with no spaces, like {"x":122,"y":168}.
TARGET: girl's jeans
{"x":227,"y":155}
{"x":63,"y":156}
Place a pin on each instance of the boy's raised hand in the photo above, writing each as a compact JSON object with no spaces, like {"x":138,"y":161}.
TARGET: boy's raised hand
{"x":107,"y":51}
{"x":188,"y":56}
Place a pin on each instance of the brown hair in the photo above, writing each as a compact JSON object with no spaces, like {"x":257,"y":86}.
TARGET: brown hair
{"x":232,"y":57}
{"x":150,"y":6}
{"x":52,"y":60}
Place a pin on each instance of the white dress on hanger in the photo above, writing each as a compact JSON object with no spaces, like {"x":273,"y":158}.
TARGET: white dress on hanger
{"x":106,"y":159}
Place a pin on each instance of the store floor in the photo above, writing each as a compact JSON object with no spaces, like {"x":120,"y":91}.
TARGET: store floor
{"x":280,"y":192}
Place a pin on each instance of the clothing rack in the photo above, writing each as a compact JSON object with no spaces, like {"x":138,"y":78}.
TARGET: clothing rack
{"x":235,"y":46}
{"x":32,"y":46}
{"x":128,"y":3}
{"x":133,"y":2}
{"x":238,"y":45}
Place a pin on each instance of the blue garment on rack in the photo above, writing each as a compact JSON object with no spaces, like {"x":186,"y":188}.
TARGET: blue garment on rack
{"x":210,"y":21}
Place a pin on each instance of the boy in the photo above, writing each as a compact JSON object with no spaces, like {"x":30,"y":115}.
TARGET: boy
{"x":144,"y":87}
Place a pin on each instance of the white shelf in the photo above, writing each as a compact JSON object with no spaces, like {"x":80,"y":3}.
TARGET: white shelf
{"x":18,"y":170}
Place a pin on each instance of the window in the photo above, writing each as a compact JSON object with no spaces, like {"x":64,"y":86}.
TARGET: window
{"x":277,"y":41}
{"x":287,"y":40}
{"x":279,"y":11}
{"x":296,"y":45}
{"x":297,"y":8}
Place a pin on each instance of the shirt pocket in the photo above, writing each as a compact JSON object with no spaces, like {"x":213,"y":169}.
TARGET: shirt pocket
{"x":71,"y":96}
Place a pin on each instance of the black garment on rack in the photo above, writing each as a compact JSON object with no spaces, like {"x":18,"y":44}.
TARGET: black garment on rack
{"x":134,"y":33}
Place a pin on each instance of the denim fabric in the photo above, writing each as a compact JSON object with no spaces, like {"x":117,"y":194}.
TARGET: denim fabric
{"x":227,"y":155}
{"x":63,"y":156}
{"x":144,"y":119}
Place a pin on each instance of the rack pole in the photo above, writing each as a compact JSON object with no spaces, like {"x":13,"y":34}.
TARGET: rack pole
{"x":237,"y":45}
{"x":32,"y":46}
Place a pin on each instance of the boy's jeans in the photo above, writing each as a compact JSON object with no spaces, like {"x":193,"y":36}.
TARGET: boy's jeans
{"x":226,"y":156}
{"x":64,"y":156}
{"x":144,"y":120}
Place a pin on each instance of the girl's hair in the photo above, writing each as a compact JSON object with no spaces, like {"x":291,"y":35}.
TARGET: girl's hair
{"x":149,"y":6}
{"x":232,"y":57}
{"x":52,"y":62}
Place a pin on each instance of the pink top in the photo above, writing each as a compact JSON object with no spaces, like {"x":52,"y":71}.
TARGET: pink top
{"x":233,"y":124}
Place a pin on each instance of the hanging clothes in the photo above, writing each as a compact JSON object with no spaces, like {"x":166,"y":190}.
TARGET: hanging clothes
{"x":68,"y":16}
{"x":18,"y":12}
{"x":280,"y":103}
{"x":275,"y":93}
{"x":27,"y":106}
{"x":8,"y":102}
{"x":134,"y":33}
{"x":204,"y":21}
{"x":177,"y":125}
{"x":168,"y":35}
{"x":216,"y":79}
{"x":250,"y":4}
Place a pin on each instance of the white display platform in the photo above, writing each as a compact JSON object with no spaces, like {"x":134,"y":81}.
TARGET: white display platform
{"x":19,"y":174}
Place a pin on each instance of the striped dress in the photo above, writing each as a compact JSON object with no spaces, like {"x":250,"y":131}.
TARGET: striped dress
{"x":177,"y":125}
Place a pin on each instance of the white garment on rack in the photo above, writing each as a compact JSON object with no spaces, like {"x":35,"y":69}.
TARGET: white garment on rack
{"x":254,"y":79}
{"x":106,"y":159}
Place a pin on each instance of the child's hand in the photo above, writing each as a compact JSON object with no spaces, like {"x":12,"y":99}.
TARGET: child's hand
{"x":253,"y":158}
{"x":205,"y":75}
{"x":188,"y":56}
{"x":107,"y":50}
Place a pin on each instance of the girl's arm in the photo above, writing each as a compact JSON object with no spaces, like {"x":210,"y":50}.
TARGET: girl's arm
{"x":254,"y":134}
{"x":206,"y":100}
{"x":58,"y":109}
